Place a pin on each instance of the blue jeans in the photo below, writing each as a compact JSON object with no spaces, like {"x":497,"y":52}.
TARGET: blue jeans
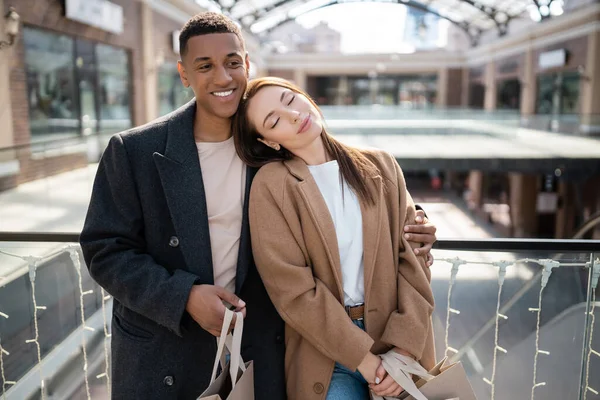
{"x":346,"y":384}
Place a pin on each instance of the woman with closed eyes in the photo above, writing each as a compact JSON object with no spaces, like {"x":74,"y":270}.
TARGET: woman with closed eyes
{"x":327,"y":223}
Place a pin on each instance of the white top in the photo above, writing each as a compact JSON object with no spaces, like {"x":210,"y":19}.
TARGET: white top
{"x":224,"y":177}
{"x":347,"y":218}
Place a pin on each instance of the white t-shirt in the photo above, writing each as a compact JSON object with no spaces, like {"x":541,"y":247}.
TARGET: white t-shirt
{"x":224,"y":177}
{"x":347,"y":218}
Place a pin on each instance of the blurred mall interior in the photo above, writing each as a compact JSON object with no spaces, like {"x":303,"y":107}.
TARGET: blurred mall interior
{"x":492,"y":108}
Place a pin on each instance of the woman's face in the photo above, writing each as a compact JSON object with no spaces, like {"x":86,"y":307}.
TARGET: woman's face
{"x":284,"y":117}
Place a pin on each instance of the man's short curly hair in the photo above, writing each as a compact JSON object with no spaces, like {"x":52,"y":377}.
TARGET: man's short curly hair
{"x":204,"y":24}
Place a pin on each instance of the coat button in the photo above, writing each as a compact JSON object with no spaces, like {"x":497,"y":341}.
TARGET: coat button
{"x":168,"y":380}
{"x":279,"y":339}
{"x":174,"y":241}
{"x":318,"y":388}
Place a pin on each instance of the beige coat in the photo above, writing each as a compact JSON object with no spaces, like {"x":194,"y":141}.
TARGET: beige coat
{"x":295,"y":248}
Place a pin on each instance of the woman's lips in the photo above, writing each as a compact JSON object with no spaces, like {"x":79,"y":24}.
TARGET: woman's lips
{"x":305,"y":124}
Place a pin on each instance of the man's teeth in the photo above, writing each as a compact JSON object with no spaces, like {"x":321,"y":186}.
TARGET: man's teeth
{"x":223,"y":94}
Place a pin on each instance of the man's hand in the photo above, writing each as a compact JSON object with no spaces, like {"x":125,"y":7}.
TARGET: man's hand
{"x":205,"y":305}
{"x":424,"y":233}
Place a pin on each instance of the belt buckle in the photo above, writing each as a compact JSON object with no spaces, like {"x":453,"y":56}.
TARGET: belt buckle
{"x":354,"y":306}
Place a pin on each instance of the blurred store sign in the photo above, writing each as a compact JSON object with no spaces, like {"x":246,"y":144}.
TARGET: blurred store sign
{"x":98,"y":13}
{"x":553,"y":59}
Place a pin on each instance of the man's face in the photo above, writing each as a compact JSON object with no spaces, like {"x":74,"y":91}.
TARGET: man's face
{"x":216,"y":68}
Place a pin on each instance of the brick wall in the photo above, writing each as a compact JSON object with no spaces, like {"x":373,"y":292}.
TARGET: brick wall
{"x":49,"y":15}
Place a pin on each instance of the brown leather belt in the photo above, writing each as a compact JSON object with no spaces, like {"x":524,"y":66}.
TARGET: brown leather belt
{"x":356,"y":312}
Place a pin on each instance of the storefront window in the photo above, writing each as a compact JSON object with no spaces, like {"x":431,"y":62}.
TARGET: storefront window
{"x":53,"y":111}
{"x":75,"y":86}
{"x":114,"y":88}
{"x":417,"y":92}
{"x":171,"y":92}
{"x":509,"y":95}
{"x":558,"y":94}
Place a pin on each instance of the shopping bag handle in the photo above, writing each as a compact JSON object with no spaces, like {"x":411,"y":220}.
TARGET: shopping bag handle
{"x":234,"y":345}
{"x":400,"y":368}
{"x":221,"y":343}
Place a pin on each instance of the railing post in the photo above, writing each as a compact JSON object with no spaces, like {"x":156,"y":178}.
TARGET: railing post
{"x":587,"y":327}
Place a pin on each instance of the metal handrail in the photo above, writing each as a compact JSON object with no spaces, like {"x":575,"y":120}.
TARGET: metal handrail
{"x":552,"y":245}
{"x":75,"y":137}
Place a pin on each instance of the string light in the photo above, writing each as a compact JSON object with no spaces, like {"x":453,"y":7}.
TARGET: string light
{"x":595,"y":277}
{"x":32,"y":263}
{"x":456,"y":263}
{"x":548,"y":265}
{"x":502,"y":265}
{"x":74,"y":254}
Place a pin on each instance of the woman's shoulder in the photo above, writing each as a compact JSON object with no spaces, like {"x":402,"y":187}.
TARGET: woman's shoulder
{"x":270,"y":175}
{"x":384,"y":161}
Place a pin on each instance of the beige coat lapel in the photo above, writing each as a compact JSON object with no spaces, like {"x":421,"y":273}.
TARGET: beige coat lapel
{"x":320,"y":215}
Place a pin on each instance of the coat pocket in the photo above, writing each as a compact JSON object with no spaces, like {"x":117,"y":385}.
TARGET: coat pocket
{"x":130,"y":330}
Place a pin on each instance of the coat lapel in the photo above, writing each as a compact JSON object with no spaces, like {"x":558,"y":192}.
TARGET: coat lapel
{"x":245,"y":259}
{"x":371,"y":222}
{"x":320,"y":215}
{"x":181,"y":178}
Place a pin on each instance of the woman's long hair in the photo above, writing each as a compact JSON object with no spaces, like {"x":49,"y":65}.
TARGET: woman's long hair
{"x":354,"y":165}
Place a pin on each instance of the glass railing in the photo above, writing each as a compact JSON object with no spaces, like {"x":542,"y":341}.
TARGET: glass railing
{"x":443,"y":120}
{"x":519,"y":315}
{"x":54,"y":321}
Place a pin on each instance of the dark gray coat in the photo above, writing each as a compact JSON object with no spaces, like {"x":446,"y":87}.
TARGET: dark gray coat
{"x":146,"y":241}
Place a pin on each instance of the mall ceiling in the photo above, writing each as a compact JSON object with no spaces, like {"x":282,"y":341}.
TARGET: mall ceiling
{"x":472,"y":16}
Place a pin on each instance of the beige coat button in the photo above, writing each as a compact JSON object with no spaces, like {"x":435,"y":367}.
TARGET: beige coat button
{"x":318,"y":388}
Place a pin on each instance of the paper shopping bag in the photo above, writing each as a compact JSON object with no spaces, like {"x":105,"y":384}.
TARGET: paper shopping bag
{"x":449,"y":382}
{"x":443,"y":382}
{"x":236,"y":381}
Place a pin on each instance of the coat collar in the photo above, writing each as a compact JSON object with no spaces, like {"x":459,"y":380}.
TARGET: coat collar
{"x":321,"y":217}
{"x":181,"y":177}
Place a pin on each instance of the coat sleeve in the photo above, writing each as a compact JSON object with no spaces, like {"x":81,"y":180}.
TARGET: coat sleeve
{"x":303,"y":301}
{"x":408,"y":327}
{"x":114,"y":246}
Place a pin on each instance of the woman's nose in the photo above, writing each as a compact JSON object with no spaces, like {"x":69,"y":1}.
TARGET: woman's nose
{"x":294,"y":116}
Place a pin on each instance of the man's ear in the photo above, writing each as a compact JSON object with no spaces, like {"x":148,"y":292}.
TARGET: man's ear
{"x":182,"y":74}
{"x":247,"y":62}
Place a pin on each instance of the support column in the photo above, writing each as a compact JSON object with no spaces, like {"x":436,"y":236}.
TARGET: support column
{"x":565,"y":213}
{"x":300,"y":78}
{"x":490,"y":87}
{"x":149,"y":67}
{"x":523,"y":204}
{"x":475,"y":189}
{"x":442,"y":88}
{"x":528,"y":87}
{"x":464,"y":98}
{"x":343,"y":91}
{"x":6,"y":120}
{"x":590,"y":96}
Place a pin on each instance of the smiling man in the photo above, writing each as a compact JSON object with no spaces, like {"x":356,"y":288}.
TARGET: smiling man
{"x":167,"y":234}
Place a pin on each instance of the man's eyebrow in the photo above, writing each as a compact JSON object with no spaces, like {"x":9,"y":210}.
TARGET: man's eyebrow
{"x":271,"y":113}
{"x":198,"y":59}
